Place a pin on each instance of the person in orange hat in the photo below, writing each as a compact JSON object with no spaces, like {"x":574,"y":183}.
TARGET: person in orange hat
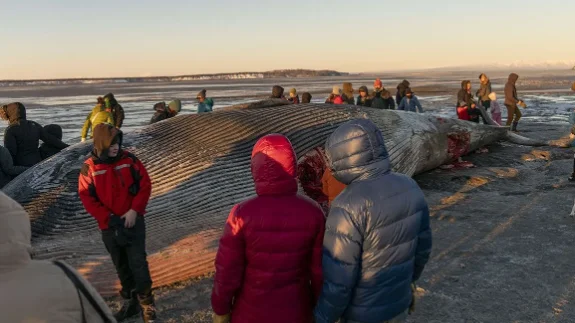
{"x":381,"y":98}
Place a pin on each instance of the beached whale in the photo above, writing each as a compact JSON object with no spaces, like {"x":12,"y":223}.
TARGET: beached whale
{"x":200,"y":167}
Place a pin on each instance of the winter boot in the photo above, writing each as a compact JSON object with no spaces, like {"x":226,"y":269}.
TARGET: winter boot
{"x":148,"y":308}
{"x":130,"y":307}
{"x":514,"y":127}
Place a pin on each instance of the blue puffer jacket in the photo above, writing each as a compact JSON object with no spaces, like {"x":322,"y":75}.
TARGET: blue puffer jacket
{"x":377,"y":238}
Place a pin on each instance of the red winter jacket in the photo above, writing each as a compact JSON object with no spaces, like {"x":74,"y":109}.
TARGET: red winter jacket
{"x":104,"y":188}
{"x":268,"y":266}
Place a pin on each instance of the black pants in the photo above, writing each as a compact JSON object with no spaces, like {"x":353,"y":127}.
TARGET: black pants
{"x":128,"y":250}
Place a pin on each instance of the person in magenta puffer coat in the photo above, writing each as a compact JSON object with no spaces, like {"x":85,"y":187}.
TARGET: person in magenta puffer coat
{"x":268,"y":265}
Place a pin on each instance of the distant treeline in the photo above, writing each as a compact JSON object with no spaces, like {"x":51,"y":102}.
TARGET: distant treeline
{"x":295,"y":73}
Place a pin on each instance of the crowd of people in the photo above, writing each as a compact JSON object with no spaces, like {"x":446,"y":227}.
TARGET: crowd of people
{"x":280,"y":258}
{"x":467,"y":106}
{"x":378,"y":98}
{"x":22,"y":138}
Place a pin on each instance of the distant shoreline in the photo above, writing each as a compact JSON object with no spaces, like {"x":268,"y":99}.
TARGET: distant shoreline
{"x":288,"y":73}
{"x":275,"y":74}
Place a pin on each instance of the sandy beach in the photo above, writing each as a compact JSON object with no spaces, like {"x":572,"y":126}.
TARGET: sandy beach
{"x":503,"y":241}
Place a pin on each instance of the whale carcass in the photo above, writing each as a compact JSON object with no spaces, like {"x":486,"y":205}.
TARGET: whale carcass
{"x":200,"y":167}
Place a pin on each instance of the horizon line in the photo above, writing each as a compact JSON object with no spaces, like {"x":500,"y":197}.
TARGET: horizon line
{"x":394,"y":71}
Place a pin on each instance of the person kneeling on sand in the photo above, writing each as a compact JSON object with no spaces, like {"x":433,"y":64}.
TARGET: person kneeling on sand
{"x":378,"y":236}
{"x":114,"y":187}
{"x":268,"y":265}
{"x":40,"y":290}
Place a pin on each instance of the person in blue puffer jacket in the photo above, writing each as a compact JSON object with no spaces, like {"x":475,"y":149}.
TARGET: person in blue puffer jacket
{"x":378,"y":236}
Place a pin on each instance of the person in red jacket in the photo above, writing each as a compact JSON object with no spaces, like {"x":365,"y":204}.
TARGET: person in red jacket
{"x":268,"y":265}
{"x":114,"y":187}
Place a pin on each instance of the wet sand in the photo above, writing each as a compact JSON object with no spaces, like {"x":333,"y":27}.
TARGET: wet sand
{"x":503,"y":241}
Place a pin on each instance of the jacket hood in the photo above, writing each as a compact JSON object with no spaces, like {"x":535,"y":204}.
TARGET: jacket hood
{"x":13,"y":112}
{"x":274,"y":166}
{"x":15,"y":235}
{"x":306,"y":97}
{"x":277,"y":92}
{"x":104,"y":135}
{"x":464,"y":84}
{"x":513,"y":78}
{"x":356,"y":151}
{"x":111,"y":98}
{"x":55,"y":130}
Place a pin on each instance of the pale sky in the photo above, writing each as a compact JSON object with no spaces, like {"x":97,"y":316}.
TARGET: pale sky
{"x":105,"y":38}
